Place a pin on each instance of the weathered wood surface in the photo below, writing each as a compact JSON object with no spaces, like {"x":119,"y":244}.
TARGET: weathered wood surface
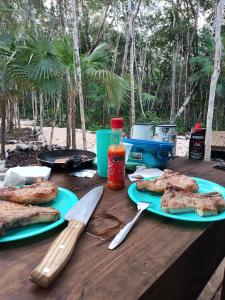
{"x":223,"y":288}
{"x":214,"y":287}
{"x":218,"y":140}
{"x":160,"y":259}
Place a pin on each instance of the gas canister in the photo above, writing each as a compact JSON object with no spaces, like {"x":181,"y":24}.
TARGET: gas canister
{"x":197,"y":142}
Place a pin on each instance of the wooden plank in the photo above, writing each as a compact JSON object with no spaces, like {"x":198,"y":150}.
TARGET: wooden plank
{"x":218,"y":138}
{"x":218,"y":148}
{"x":214,"y":286}
{"x":223,"y":288}
{"x":193,"y":268}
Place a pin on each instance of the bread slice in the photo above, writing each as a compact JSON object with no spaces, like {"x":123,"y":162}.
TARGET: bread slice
{"x":176,"y":200}
{"x":14,"y":215}
{"x":169,"y":178}
{"x":41,"y":192}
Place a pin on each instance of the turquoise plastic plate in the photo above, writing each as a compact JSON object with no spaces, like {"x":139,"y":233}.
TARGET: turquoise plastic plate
{"x":63,"y":202}
{"x":205,"y":186}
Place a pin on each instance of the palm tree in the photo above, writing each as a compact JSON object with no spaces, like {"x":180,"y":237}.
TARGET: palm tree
{"x":77,"y":70}
{"x":6,"y":83}
{"x":42,"y":65}
{"x":95,"y":69}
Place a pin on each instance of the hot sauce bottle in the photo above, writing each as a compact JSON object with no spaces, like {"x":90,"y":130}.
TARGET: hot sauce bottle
{"x":116,"y":156}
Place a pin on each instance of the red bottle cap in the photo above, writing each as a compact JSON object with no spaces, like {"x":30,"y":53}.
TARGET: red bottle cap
{"x":117,"y":123}
{"x":198,"y":126}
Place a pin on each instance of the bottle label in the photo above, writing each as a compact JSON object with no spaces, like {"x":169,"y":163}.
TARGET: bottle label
{"x":116,"y":169}
{"x":197,"y":145}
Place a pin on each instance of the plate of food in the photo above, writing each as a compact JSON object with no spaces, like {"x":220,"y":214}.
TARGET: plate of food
{"x":31,"y":210}
{"x":181,"y":197}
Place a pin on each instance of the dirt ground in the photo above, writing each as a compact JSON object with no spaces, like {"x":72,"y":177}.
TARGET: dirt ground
{"x":59,"y":138}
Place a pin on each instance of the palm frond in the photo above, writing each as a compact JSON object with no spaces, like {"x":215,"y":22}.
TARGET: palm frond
{"x":203,"y":66}
{"x":116,"y":87}
{"x":50,"y":87}
{"x":39,"y":55}
{"x":63,"y":50}
{"x":98,"y":59}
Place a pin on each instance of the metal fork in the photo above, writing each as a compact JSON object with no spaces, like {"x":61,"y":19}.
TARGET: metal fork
{"x":125,"y":230}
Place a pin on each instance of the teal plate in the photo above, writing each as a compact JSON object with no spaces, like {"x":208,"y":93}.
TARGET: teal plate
{"x":63,"y":202}
{"x":205,"y":186}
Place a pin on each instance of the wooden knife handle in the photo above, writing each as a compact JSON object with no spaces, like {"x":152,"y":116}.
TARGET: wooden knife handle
{"x":58,"y":255}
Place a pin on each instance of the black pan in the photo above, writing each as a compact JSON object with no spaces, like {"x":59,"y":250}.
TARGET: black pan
{"x":66,"y":158}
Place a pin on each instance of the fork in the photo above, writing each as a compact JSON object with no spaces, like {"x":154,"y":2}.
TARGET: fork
{"x":125,"y":230}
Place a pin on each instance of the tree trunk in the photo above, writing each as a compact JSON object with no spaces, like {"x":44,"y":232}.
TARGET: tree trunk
{"x":124,"y":62}
{"x":101,"y":29}
{"x":86,"y":21}
{"x":54,"y":120}
{"x":71,"y":132}
{"x":17,"y":113}
{"x":140,"y":75}
{"x":11,"y":114}
{"x":184,"y":105}
{"x":33,"y":109}
{"x":126,"y":48}
{"x":41,"y":113}
{"x":78,"y":71}
{"x":23,"y":106}
{"x":187,"y":70}
{"x":73,"y":121}
{"x":180,"y":82}
{"x":62,"y":16}
{"x":130,"y":20}
{"x":174,"y":64}
{"x":3,"y":114}
{"x":114,"y":59}
{"x":214,"y":78}
{"x":34,"y":97}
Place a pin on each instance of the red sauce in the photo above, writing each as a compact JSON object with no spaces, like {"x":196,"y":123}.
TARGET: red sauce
{"x":116,"y":167}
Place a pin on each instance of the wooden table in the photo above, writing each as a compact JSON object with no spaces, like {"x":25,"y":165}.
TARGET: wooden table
{"x":161,"y":258}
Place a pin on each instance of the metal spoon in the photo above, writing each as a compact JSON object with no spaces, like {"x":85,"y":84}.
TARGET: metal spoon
{"x":125,"y":230}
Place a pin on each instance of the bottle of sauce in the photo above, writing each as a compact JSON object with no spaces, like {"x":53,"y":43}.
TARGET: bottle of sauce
{"x":116,"y":156}
{"x":197,"y":142}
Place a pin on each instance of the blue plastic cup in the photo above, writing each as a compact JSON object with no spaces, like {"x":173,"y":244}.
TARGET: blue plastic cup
{"x":103,"y":140}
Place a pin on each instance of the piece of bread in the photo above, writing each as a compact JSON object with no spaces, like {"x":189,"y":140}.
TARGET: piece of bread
{"x":15,"y":215}
{"x":40,"y":192}
{"x":169,"y":178}
{"x":176,"y":200}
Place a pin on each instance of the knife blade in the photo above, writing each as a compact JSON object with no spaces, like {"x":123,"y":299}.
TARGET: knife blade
{"x":62,"y":248}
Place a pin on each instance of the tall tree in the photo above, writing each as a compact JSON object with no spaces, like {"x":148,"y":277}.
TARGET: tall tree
{"x":71,"y":131}
{"x":78,"y":71}
{"x":130,"y":21}
{"x":174,"y":64}
{"x":214,"y":78}
{"x":3,"y":116}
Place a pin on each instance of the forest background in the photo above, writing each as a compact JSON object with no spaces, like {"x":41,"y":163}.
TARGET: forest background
{"x":142,"y":60}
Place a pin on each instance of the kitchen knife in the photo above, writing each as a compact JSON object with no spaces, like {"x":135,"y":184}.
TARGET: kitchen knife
{"x":62,"y":247}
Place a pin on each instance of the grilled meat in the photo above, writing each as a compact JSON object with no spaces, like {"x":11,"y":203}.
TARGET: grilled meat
{"x":176,"y":200}
{"x":168,"y":178}
{"x":15,"y":215}
{"x":40,"y":192}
